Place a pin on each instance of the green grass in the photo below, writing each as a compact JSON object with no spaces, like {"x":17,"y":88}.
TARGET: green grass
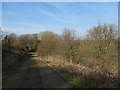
{"x":72,"y":81}
{"x":33,"y":70}
{"x":32,"y":61}
{"x":60,"y":69}
{"x":46,"y":61}
{"x":33,"y":65}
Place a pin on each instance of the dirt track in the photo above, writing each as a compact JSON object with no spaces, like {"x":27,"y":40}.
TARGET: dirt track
{"x":49,"y":78}
{"x":28,"y":77}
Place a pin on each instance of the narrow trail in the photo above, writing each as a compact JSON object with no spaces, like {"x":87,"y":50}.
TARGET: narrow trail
{"x":28,"y":76}
{"x":16,"y":80}
{"x":49,"y":78}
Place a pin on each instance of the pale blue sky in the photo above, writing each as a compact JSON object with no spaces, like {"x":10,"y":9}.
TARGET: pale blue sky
{"x":25,"y":17}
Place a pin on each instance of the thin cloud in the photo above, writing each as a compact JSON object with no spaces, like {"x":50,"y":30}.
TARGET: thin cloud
{"x":53,"y":15}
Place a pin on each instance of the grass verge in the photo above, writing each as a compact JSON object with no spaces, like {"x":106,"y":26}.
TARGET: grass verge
{"x":72,"y":81}
{"x":33,"y":78}
{"x":46,"y":61}
{"x":33,"y":65}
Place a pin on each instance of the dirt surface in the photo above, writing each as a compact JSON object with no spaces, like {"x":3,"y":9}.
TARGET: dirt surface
{"x":28,"y":77}
{"x":23,"y":78}
{"x":49,"y":78}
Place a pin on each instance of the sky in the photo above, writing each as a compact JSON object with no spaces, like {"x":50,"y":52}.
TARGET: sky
{"x":34,"y":17}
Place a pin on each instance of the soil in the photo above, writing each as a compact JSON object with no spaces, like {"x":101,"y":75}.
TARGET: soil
{"x":28,"y":77}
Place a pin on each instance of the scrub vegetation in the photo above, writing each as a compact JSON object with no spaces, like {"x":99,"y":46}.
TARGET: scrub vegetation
{"x":97,"y":52}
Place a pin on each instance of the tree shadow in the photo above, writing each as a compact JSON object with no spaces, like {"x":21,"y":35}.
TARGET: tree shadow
{"x":30,"y":76}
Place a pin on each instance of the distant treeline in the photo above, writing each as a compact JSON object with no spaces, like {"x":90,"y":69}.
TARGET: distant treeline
{"x":102,"y":40}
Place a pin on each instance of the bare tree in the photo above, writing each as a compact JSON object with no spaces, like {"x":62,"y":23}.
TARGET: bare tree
{"x":102,"y":37}
{"x":69,"y":44}
{"x":47,"y":43}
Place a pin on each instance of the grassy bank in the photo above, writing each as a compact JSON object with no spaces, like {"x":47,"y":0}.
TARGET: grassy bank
{"x":32,"y":77}
{"x":72,"y":81}
{"x":33,"y":65}
{"x":81,"y":76}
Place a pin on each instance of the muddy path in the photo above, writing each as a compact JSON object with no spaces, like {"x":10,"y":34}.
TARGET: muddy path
{"x":49,"y":78}
{"x":26,"y":77}
{"x":34,"y":74}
